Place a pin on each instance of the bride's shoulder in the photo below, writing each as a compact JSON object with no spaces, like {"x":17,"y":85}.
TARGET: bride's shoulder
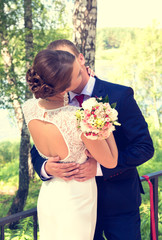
{"x":30,"y":109}
{"x":30,"y":102}
{"x":29,"y":105}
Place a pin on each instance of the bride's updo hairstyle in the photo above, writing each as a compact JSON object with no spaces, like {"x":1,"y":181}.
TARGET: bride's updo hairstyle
{"x":51,"y":73}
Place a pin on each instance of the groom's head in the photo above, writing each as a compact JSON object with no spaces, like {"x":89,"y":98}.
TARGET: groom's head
{"x":66,"y":45}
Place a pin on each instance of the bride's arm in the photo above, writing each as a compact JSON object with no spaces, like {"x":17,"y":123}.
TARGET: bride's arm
{"x":104,"y":151}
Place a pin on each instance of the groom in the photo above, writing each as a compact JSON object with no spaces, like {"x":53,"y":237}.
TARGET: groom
{"x":119,"y":188}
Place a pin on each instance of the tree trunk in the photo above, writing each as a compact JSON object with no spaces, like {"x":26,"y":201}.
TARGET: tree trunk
{"x":29,"y":58}
{"x":22,"y":193}
{"x":84,"y":21}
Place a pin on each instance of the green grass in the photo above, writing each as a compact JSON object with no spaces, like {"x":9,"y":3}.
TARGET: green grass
{"x":8,"y":187}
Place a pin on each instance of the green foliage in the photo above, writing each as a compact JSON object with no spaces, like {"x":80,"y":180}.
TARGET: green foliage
{"x":9,"y":151}
{"x":5,"y":201}
{"x":9,"y":171}
{"x":49,"y":24}
{"x":136,"y":63}
{"x":145,"y":212}
{"x":24,"y":230}
{"x":155,"y":164}
{"x":33,"y":192}
{"x":8,"y":187}
{"x":108,"y":38}
{"x":9,"y":184}
{"x":145,"y":221}
{"x":9,"y":174}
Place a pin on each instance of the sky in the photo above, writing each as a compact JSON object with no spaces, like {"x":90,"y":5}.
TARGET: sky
{"x":111,"y":13}
{"x":128,"y":13}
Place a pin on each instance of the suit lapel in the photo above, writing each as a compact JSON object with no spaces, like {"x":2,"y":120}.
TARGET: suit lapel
{"x":102,"y":89}
{"x":98,"y":90}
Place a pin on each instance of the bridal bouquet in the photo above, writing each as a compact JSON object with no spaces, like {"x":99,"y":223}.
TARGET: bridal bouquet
{"x":96,"y":118}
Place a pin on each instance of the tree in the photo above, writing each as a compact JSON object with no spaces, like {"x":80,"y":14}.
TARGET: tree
{"x":137,"y":63}
{"x":12,"y":80}
{"x":9,"y":72}
{"x":29,"y":49}
{"x":84,"y":21}
{"x":150,"y":72}
{"x":22,"y":193}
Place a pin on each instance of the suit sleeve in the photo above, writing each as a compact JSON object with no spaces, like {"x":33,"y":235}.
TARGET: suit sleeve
{"x":37,"y":162}
{"x":139,"y":147}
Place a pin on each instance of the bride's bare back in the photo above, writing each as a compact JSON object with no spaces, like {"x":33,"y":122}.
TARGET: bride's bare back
{"x":48,"y":139}
{"x":55,"y":133}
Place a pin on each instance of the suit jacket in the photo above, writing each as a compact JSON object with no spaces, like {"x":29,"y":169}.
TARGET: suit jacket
{"x":119,"y":189}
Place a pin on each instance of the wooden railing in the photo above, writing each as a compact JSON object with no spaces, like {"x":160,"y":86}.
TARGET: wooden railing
{"x":18,"y":216}
{"x":33,"y":212}
{"x":154,"y":177}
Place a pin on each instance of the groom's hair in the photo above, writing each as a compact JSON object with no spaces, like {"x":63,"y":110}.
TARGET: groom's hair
{"x":57,"y":44}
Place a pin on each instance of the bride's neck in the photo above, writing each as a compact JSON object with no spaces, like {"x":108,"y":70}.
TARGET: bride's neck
{"x":54,"y":102}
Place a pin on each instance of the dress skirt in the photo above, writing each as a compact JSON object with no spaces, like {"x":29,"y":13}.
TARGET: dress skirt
{"x":67,"y":210}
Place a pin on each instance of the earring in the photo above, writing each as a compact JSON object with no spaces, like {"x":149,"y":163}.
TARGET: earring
{"x":66,"y":99}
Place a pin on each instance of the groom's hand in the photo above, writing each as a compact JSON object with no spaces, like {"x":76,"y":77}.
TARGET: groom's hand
{"x":87,"y":170}
{"x":65,"y":171}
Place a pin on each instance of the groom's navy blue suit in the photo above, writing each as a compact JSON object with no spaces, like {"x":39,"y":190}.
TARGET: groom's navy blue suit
{"x":119,"y":189}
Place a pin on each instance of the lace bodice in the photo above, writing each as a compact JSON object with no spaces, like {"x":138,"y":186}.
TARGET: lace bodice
{"x":64,"y":119}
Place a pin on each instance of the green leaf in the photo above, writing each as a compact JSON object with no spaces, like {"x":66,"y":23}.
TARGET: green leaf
{"x":106,"y":99}
{"x":113,"y":105}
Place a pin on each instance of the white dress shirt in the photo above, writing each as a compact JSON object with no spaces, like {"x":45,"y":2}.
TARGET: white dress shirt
{"x":87,"y":91}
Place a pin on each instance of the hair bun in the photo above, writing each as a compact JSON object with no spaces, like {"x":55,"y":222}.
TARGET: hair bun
{"x":45,"y":91}
{"x":37,"y":86}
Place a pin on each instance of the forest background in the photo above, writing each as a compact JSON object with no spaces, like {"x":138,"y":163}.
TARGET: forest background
{"x":130,"y":56}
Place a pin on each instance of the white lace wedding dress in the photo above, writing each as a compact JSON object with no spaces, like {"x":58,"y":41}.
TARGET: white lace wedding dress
{"x":66,"y":210}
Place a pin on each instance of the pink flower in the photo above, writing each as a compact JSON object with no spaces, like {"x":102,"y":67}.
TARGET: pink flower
{"x":96,"y":119}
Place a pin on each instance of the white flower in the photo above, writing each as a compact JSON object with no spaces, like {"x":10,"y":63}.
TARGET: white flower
{"x":83,"y":127}
{"x":113,"y":115}
{"x":88,"y":104}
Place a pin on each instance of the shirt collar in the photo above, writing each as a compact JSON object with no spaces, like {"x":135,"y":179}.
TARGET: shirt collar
{"x":87,"y":90}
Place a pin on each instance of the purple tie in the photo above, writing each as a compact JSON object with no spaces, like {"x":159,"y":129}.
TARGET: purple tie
{"x":79,"y":98}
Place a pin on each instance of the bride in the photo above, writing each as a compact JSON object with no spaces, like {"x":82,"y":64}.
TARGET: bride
{"x":66,"y":209}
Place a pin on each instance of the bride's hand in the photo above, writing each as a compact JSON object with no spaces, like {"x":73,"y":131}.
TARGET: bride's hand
{"x":65,"y":171}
